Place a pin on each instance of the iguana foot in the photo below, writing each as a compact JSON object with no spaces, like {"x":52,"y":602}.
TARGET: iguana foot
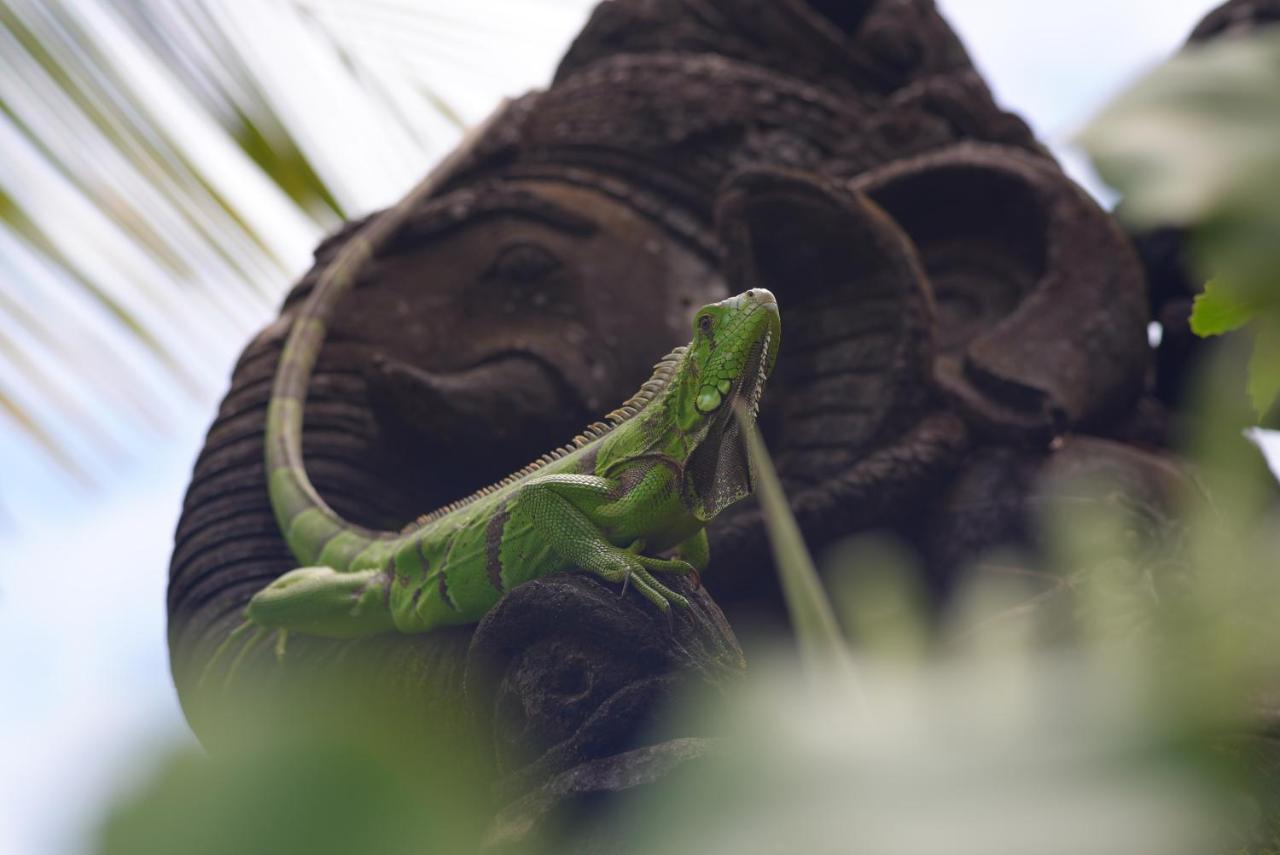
{"x":255,"y":635}
{"x":660,"y":565}
{"x":654,"y":591}
{"x":637,"y":571}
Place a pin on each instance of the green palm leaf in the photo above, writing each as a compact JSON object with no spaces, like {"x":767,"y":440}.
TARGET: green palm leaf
{"x":168,"y":165}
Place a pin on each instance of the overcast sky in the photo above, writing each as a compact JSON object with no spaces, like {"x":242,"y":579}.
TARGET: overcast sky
{"x":82,"y":581}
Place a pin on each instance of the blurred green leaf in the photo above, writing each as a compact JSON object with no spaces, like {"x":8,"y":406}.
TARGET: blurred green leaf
{"x":1219,"y":310}
{"x":876,"y":588}
{"x":1196,"y":138}
{"x":1264,"y":367}
{"x":1194,"y":144}
{"x":811,"y":613}
{"x":964,"y":757}
{"x":19,"y":415}
{"x":1116,"y":735}
{"x":350,"y":776}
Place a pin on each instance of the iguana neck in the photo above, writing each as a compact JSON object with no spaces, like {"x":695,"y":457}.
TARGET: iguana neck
{"x":707,"y":449}
{"x":667,"y":429}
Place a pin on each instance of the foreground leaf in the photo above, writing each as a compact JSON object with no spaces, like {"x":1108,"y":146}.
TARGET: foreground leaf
{"x":1264,"y":367}
{"x":1193,"y":144}
{"x":1220,"y":310}
{"x":822,"y":644}
{"x":1196,"y":138}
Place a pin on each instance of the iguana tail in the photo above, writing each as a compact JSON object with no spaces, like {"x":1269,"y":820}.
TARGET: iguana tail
{"x":311,"y":528}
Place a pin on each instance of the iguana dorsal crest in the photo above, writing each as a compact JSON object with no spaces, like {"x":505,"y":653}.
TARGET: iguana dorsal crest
{"x":663,"y":372}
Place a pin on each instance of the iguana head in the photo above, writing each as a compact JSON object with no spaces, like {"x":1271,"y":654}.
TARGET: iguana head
{"x":733,"y":351}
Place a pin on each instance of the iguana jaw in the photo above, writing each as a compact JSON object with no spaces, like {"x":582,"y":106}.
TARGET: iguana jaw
{"x":718,"y":467}
{"x":750,"y":387}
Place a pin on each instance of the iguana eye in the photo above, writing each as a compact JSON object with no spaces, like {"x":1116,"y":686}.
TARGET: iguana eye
{"x":705,"y":324}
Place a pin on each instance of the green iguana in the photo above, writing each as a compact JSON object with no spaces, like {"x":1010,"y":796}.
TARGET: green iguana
{"x":645,"y":481}
{"x":648,"y":479}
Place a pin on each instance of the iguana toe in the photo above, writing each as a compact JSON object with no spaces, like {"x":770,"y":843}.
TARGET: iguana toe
{"x":666,"y":565}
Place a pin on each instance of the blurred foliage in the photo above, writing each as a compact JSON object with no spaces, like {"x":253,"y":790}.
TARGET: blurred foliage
{"x":196,"y":46}
{"x":1108,"y":711}
{"x":350,"y":776}
{"x":1194,"y":144}
{"x":817,"y":634}
{"x":1106,"y":699}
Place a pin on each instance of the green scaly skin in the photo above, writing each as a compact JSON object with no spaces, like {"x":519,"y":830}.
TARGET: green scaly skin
{"x":644,"y":483}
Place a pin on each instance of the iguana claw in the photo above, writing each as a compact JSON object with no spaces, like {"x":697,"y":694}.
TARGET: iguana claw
{"x":257,"y":635}
{"x":656,"y":592}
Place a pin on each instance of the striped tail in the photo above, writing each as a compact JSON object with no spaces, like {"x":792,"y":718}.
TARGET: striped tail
{"x":315,"y":532}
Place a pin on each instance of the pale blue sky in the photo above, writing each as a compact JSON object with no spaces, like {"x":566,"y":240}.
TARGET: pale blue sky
{"x":83,"y":575}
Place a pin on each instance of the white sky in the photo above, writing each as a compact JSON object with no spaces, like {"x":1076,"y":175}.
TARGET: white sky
{"x":82,"y":652}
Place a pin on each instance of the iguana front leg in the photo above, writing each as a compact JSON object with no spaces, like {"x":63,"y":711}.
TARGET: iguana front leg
{"x":695,"y":550}
{"x":554,"y":506}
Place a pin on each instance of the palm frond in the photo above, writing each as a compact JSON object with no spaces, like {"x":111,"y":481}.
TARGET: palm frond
{"x":169,"y":164}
